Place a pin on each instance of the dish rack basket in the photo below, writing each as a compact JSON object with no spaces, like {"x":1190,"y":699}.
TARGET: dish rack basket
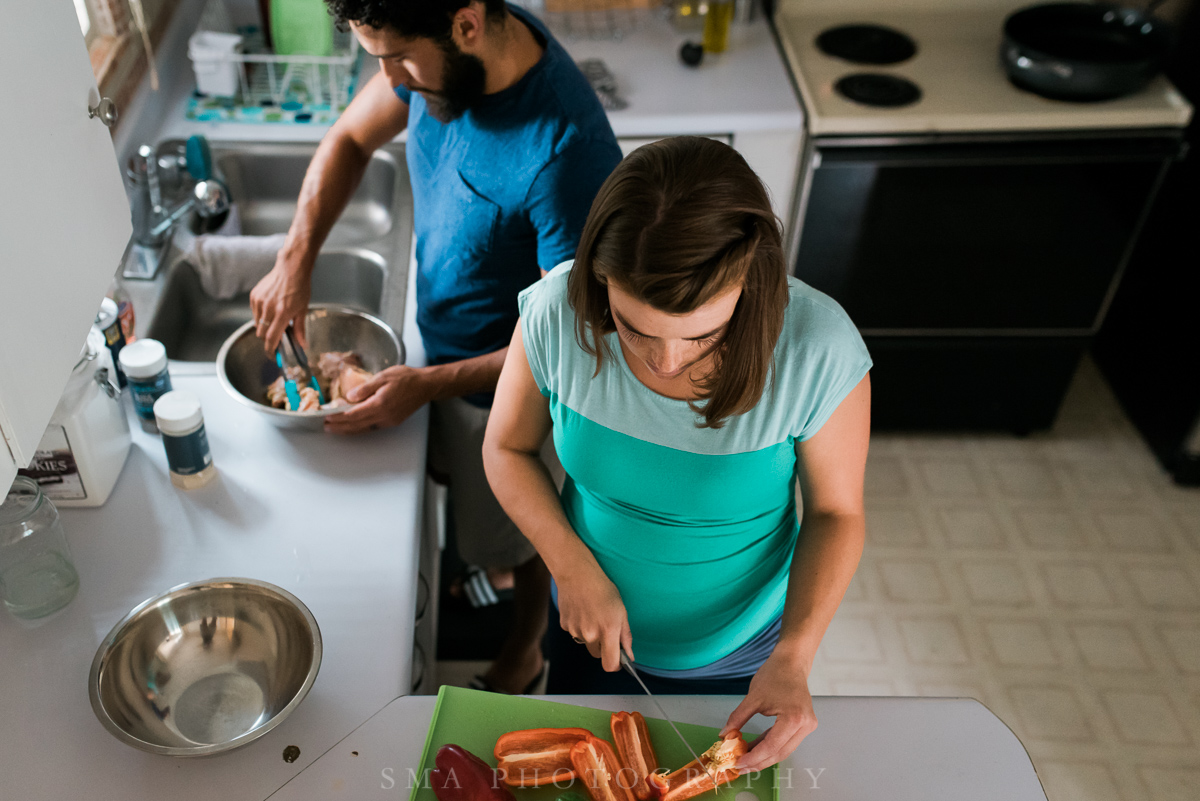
{"x":297,"y":84}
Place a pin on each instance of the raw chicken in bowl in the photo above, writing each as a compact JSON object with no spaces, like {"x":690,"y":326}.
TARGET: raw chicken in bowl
{"x":247,"y":372}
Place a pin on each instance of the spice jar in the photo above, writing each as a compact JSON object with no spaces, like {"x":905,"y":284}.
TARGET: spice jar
{"x":181,"y":422}
{"x":145,"y":365}
{"x":37,"y":577}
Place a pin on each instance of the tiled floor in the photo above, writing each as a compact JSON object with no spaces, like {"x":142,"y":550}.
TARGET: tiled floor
{"x":1055,"y":578}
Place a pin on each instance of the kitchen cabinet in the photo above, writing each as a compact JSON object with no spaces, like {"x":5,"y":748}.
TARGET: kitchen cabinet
{"x":64,"y":217}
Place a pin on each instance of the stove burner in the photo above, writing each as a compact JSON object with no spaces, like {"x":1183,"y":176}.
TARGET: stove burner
{"x":867,"y":44}
{"x":877,"y":89}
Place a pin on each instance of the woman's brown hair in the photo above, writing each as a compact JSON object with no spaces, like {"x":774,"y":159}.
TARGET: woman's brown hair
{"x":677,"y":223}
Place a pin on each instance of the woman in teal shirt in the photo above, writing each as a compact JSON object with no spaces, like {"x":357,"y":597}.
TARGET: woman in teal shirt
{"x":688,"y":383}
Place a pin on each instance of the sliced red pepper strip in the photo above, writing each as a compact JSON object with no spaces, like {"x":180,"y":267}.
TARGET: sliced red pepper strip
{"x":693,"y":778}
{"x":459,"y":775}
{"x":533,"y":757}
{"x":634,"y":750}
{"x":602,"y":775}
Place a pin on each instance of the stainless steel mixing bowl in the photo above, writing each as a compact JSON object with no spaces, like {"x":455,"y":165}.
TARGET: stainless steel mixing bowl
{"x":245,"y":369}
{"x":205,"y":667}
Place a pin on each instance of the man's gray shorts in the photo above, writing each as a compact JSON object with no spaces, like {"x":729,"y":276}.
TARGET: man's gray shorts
{"x":486,"y":537}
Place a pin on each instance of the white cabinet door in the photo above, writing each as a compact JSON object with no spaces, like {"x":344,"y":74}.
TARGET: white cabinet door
{"x":64,"y":217}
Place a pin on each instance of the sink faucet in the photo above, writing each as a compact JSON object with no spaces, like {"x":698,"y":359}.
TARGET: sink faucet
{"x":153,"y":222}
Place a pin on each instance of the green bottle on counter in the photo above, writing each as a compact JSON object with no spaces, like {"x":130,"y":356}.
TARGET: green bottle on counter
{"x":301,"y":28}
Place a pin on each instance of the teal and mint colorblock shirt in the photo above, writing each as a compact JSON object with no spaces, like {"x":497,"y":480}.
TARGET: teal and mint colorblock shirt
{"x":695,"y":526}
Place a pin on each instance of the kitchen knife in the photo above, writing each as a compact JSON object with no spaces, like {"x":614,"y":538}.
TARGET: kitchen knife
{"x":628,"y":665}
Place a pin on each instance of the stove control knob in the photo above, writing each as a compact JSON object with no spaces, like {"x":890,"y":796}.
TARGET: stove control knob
{"x":691,"y":53}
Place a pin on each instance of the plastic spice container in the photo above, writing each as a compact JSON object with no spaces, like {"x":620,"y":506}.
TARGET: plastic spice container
{"x":84,"y":446}
{"x":145,"y":365}
{"x":181,"y":422}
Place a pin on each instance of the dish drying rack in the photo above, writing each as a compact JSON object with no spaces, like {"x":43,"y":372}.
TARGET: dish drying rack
{"x":274,"y":88}
{"x":603,"y":20}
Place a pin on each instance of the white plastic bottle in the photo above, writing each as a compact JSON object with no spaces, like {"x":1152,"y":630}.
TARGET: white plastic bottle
{"x":84,"y":447}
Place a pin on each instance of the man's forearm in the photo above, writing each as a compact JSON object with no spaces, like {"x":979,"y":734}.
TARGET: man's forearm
{"x":826,"y":557}
{"x":466,"y":377}
{"x":334,"y":173}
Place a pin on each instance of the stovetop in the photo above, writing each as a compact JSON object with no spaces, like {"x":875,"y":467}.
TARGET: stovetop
{"x":951,"y":81}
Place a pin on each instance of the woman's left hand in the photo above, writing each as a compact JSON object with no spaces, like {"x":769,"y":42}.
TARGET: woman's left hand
{"x":780,"y":690}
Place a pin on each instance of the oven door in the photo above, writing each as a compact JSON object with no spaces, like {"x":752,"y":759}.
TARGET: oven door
{"x":967,"y":236}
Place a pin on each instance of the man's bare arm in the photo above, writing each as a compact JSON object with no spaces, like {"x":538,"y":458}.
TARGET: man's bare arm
{"x":373,"y":118}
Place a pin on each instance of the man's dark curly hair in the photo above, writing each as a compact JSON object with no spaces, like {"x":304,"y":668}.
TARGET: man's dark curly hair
{"x":411,"y":18}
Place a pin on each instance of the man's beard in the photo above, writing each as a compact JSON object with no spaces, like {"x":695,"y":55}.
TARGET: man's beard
{"x":463,"y":81}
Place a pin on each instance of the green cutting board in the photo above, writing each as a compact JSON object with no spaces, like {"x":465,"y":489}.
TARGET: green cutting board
{"x":475,"y":720}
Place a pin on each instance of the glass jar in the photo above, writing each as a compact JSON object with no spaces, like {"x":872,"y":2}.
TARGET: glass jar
{"x":37,"y":577}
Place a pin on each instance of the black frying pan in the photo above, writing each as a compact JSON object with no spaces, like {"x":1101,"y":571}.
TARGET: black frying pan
{"x":1083,"y":51}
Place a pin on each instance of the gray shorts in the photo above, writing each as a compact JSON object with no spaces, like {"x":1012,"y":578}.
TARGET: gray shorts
{"x":486,"y":537}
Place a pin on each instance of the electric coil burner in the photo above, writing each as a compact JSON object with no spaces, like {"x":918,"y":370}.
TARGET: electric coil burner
{"x":867,"y":44}
{"x":878,"y":89}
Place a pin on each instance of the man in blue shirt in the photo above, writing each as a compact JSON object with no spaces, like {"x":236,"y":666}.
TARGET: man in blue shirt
{"x":507,"y":146}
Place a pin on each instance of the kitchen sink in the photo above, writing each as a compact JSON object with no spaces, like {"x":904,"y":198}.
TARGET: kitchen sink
{"x":193,"y":325}
{"x":363,"y":263}
{"x":265,"y":180}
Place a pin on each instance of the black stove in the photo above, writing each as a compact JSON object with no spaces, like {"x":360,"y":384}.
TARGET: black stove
{"x":878,"y":89}
{"x":867,"y":44}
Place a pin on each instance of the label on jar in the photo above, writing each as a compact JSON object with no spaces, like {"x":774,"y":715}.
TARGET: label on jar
{"x":146,"y":391}
{"x":189,"y":454}
{"x":54,"y":468}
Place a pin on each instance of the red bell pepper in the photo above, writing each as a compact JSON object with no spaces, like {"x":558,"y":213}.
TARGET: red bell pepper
{"x":602,"y":775}
{"x":459,"y":775}
{"x":634,"y":750}
{"x":533,"y":757}
{"x":693,"y":778}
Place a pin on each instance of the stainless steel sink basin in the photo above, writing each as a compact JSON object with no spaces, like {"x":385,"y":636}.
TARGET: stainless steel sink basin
{"x":265,"y":182}
{"x":192,"y":325}
{"x":363,"y":263}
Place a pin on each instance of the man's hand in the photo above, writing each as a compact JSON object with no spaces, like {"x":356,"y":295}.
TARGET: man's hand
{"x":388,"y":399}
{"x":281,"y":297}
{"x":779,"y":689}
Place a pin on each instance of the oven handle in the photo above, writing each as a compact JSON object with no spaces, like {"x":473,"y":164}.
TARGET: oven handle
{"x":937,"y":151}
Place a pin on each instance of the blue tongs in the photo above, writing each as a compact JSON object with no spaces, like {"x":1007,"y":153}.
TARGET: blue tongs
{"x":293,"y":392}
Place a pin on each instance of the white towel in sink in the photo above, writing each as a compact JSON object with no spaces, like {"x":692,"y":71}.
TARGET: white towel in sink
{"x":230,"y":265}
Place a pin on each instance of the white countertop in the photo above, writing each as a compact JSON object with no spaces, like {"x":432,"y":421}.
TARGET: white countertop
{"x":746,"y":89}
{"x":864,"y":749}
{"x":333,"y":520}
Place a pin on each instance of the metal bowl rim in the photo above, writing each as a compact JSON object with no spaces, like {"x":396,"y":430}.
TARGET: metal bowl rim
{"x":316,"y":414}
{"x":213,"y":748}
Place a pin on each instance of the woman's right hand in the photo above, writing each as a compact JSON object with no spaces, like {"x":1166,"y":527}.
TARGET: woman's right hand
{"x":592,"y":612}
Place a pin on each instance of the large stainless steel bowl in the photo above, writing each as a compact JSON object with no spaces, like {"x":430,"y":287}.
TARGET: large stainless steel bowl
{"x":245,"y":369}
{"x":205,"y":667}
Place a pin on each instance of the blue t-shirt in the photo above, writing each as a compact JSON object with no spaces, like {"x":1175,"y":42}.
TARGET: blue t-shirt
{"x":500,"y":194}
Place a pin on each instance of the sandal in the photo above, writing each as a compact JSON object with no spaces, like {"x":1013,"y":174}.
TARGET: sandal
{"x":475,"y":585}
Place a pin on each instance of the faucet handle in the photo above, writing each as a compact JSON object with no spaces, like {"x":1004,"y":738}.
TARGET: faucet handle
{"x":199,"y":158}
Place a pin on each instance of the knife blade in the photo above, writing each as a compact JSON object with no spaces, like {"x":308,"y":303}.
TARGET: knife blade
{"x":628,"y":665}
